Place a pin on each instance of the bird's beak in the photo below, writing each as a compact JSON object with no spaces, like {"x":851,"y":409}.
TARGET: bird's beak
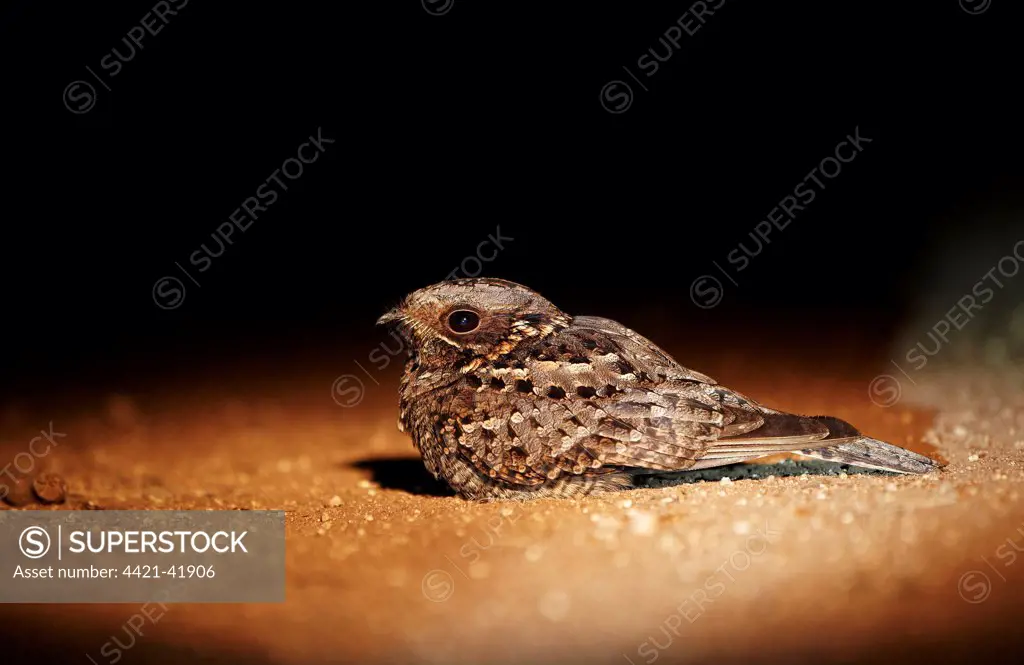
{"x":391,"y":316}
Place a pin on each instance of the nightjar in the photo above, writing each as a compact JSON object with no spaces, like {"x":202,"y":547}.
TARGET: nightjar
{"x":507,"y":397}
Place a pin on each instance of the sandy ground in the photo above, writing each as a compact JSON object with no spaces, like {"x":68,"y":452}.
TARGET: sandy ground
{"x":781,"y":563}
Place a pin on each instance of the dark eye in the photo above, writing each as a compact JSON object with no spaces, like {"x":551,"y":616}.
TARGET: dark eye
{"x":463,"y":321}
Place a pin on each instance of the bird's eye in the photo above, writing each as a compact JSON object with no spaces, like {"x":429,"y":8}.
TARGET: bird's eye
{"x":463,"y":321}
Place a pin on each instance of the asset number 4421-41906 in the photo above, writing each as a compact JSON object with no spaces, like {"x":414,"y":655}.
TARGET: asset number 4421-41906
{"x":154,"y":572}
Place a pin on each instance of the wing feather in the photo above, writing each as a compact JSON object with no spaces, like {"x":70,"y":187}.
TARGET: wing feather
{"x":596,"y":398}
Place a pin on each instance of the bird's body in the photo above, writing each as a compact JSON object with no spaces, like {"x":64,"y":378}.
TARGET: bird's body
{"x":507,"y":397}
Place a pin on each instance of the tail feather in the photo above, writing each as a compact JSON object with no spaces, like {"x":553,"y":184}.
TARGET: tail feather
{"x":846,"y":445}
{"x":873,"y":454}
{"x":820,"y":437}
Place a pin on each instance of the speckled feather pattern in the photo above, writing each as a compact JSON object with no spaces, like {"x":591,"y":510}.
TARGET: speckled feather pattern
{"x":533,"y":402}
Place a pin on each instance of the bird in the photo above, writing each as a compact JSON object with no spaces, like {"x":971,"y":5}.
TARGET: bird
{"x":506,"y":397}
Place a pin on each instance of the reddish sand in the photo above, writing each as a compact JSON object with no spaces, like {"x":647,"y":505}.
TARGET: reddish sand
{"x":381,"y":568}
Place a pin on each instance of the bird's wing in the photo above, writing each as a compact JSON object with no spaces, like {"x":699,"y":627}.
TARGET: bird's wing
{"x":597,"y":397}
{"x":641,"y":353}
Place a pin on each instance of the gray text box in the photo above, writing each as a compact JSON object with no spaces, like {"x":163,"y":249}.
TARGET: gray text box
{"x":122,"y":556}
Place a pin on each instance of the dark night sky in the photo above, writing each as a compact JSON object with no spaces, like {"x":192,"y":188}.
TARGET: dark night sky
{"x":445,"y":128}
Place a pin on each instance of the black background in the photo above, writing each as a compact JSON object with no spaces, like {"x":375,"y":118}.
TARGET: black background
{"x":449,"y":126}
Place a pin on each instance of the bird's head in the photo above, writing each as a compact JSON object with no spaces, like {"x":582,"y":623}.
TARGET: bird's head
{"x":478,"y":317}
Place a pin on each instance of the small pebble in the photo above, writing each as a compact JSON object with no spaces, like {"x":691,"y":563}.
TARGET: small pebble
{"x":19,"y":491}
{"x":642,"y":523}
{"x":325,"y":517}
{"x":50,"y":488}
{"x":726,"y":481}
{"x":972,"y":458}
{"x":335,"y":501}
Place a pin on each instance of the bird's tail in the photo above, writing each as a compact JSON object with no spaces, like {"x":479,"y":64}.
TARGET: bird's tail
{"x":845,"y":445}
{"x":821,"y":437}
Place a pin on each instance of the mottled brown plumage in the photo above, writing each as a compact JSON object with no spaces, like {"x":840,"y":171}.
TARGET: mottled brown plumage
{"x":506,"y":396}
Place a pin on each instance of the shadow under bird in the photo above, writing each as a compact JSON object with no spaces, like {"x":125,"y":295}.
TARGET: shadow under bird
{"x":507,"y":397}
